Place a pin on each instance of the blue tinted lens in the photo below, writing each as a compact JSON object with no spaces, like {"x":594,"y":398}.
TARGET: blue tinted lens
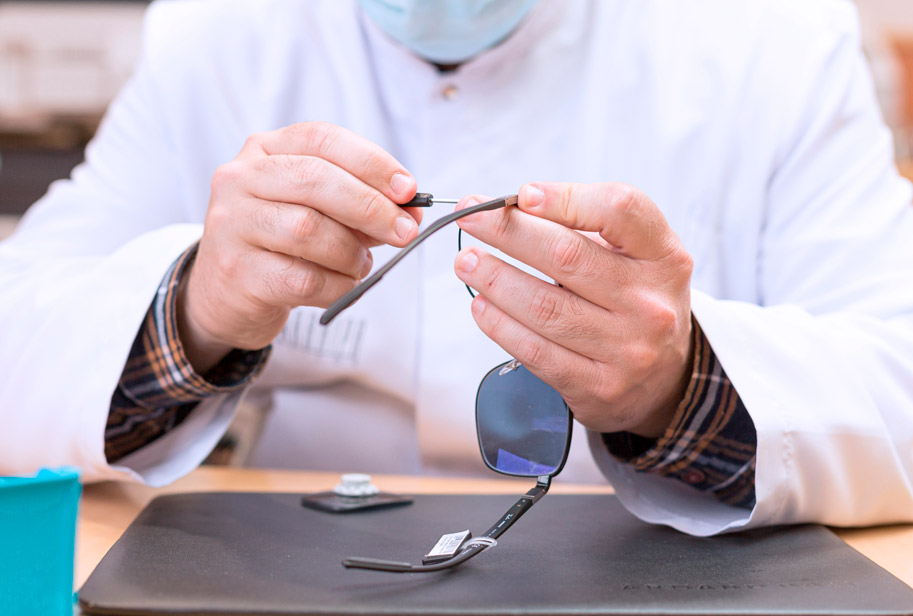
{"x":523,"y":424}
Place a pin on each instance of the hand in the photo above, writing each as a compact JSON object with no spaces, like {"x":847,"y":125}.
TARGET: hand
{"x":615,"y":338}
{"x":289,"y":223}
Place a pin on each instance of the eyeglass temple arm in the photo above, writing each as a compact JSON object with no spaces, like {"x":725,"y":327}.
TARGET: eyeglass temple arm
{"x":512,"y":515}
{"x":520,"y":507}
{"x":349,"y":298}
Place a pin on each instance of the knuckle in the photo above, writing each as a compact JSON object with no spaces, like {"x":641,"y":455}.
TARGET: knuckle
{"x":293,"y":284}
{"x":218,"y":216}
{"x":227,"y":264}
{"x":640,"y":359}
{"x":546,"y":305}
{"x":371,"y":163}
{"x":303,"y":282}
{"x":495,"y":325}
{"x":273,"y":285}
{"x":665,"y":320}
{"x":303,"y":172}
{"x":267,"y":218}
{"x":226,"y":175}
{"x":661,"y":316}
{"x":532,"y":350}
{"x":255,"y":141}
{"x":318,"y":137}
{"x":565,"y":201}
{"x":374,"y":205}
{"x":682,"y":261}
{"x":567,"y":252}
{"x":626,"y":198}
{"x":306,"y":224}
{"x":687,"y":264}
{"x":607,"y":390}
{"x":503,"y":224}
{"x":623,"y":277}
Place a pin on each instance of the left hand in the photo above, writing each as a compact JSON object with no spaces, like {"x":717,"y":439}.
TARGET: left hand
{"x":615,"y":339}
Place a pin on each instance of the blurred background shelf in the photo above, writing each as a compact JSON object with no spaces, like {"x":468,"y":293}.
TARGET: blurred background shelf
{"x":25,"y":173}
{"x":62,"y":61}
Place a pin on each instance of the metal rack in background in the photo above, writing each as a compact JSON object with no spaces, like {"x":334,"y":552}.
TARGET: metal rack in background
{"x":61,"y":63}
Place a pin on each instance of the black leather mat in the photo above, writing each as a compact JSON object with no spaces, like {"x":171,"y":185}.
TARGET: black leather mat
{"x":245,"y":553}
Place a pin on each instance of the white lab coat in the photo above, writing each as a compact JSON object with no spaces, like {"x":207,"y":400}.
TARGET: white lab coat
{"x":752,"y":125}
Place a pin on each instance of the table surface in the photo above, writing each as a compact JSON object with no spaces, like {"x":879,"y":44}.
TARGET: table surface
{"x":107,"y":509}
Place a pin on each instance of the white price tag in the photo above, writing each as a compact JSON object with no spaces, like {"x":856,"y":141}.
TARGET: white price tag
{"x":447,"y":546}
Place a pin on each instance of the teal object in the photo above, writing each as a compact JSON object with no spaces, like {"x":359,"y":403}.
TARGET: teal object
{"x":37,"y":541}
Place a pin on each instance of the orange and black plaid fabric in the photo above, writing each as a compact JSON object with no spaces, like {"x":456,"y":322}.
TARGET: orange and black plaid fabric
{"x":158,"y":387}
{"x":710,"y":444}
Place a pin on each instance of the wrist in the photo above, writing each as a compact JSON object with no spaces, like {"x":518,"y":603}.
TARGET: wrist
{"x":202,"y":349}
{"x":658,"y":421}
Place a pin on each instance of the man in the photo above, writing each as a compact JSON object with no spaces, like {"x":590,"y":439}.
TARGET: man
{"x":729,"y":235}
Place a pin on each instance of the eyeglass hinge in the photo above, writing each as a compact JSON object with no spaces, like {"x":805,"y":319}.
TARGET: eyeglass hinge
{"x":538,"y":491}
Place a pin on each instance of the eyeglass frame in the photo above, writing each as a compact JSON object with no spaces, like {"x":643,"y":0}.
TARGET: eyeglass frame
{"x":543,"y":482}
{"x":350,"y":298}
{"x":489,"y":538}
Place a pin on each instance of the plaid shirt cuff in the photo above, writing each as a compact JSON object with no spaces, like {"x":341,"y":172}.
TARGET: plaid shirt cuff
{"x":711,"y":442}
{"x":159,"y":387}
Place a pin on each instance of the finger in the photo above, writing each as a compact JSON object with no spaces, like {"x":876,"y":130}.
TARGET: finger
{"x":319,"y":184}
{"x":306,"y":233}
{"x":281,"y":280}
{"x":362,"y":158}
{"x":555,"y":313}
{"x":567,"y":372}
{"x":590,"y":270}
{"x":470,"y":200}
{"x":624,"y":216}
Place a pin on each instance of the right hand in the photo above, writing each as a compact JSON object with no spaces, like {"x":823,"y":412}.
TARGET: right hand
{"x":289,"y":223}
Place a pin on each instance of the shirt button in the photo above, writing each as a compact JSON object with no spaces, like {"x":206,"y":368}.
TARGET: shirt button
{"x":450,"y":92}
{"x":693,"y":477}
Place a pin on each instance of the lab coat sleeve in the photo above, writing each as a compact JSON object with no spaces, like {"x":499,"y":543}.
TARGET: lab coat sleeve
{"x":78,"y":277}
{"x":824,"y":360}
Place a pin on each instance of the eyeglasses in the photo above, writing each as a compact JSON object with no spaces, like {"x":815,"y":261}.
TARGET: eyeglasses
{"x":523,"y":426}
{"x":524,"y":430}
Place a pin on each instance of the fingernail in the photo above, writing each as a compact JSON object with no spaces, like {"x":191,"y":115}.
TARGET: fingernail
{"x":468,"y":262}
{"x":534,"y":196}
{"x":403,"y":227}
{"x":400,"y":183}
{"x":469,"y":203}
{"x":478,"y":306}
{"x":367,"y":263}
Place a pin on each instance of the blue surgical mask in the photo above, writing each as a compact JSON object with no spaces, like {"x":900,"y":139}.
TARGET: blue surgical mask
{"x":447,"y":31}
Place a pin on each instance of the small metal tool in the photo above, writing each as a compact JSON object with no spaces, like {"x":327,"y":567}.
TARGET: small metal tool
{"x":427,"y":200}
